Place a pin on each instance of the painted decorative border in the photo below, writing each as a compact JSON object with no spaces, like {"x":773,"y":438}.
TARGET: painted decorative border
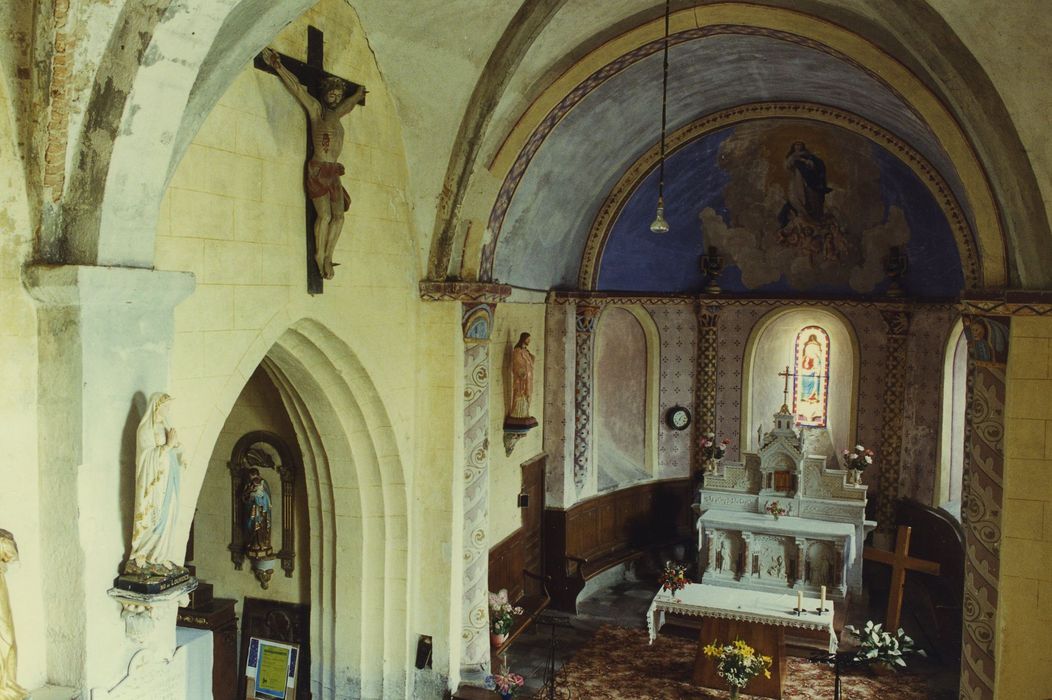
{"x":708,"y":316}
{"x":464,"y":291}
{"x":604,"y":298}
{"x":896,"y":359}
{"x":988,"y":338}
{"x":597,"y":78}
{"x":586,"y":318}
{"x":477,"y":324}
{"x":591,"y":259}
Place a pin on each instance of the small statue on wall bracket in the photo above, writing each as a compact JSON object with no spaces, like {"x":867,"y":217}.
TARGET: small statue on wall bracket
{"x":518,"y":420}
{"x":252,"y":504}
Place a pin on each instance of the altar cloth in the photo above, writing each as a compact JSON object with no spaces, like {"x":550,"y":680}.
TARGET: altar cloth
{"x":760,"y":607}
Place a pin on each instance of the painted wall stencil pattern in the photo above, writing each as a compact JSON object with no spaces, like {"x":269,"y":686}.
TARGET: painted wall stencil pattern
{"x":708,"y":316}
{"x":477,"y":325}
{"x":983,"y":495}
{"x":583,"y":378}
{"x":676,"y":327}
{"x":890,"y":454}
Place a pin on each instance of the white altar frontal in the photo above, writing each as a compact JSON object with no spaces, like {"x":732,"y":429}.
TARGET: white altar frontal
{"x":817,"y":542}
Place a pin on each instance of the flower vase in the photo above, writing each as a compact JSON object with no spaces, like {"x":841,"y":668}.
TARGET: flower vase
{"x":709,"y":465}
{"x":735,"y":690}
{"x":497,"y":639}
{"x":505,"y":696}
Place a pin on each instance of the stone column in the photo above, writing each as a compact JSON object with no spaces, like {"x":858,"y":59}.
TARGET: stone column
{"x":106,"y":336}
{"x":559,"y":379}
{"x":583,"y":469}
{"x":477,"y":321}
{"x":983,"y":491}
{"x":705,"y":391}
{"x":801,"y":561}
{"x":838,"y":570}
{"x":889,"y":455}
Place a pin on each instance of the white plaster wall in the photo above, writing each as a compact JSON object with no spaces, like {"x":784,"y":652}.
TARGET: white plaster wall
{"x":19,"y":472}
{"x":257,"y":408}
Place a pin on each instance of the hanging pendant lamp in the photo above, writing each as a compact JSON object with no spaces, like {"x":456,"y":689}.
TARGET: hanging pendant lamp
{"x":660,"y":225}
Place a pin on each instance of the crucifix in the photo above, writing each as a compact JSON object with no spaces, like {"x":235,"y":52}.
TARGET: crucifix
{"x":900,"y":561}
{"x":785,"y":390}
{"x":327,"y":98}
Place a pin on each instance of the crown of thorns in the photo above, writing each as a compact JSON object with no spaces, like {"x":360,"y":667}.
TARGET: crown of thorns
{"x":333,"y":83}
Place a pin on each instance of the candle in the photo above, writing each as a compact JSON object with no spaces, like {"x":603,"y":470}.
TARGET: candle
{"x":799,"y":600}
{"x":822,"y":605}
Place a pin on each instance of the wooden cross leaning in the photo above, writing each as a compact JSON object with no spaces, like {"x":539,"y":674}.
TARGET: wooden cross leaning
{"x":899,"y":561}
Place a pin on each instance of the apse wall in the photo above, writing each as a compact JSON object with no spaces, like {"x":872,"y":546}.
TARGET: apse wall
{"x":234,"y":215}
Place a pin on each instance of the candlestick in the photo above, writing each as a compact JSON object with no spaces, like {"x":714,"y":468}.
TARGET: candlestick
{"x":800,"y":601}
{"x":822,"y":603}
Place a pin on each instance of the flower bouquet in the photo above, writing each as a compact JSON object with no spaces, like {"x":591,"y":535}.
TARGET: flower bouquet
{"x":501,"y":616}
{"x":775,"y":509}
{"x":712,"y":452}
{"x":738,"y":663}
{"x":673,"y":577}
{"x":505,"y":683}
{"x":857,"y":461}
{"x":881,"y":647}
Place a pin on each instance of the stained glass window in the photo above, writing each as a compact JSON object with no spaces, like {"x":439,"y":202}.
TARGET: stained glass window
{"x":811,"y":377}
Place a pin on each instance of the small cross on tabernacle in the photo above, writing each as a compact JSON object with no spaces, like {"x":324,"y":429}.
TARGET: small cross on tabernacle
{"x":785,"y":391}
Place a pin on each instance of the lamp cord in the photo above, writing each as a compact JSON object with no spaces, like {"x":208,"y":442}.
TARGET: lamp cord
{"x":664,"y":106}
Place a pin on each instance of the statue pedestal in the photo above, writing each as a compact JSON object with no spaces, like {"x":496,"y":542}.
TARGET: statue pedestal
{"x":149,"y":618}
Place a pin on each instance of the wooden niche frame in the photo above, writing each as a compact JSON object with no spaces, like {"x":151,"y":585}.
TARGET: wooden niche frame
{"x":248,"y":455}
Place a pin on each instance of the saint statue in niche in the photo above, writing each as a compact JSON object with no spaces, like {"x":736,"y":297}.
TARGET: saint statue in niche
{"x":803,"y":219}
{"x":331,"y":201}
{"x":9,"y":689}
{"x":158,"y":461}
{"x":721,"y":555}
{"x":518,"y":421}
{"x":255,"y":496}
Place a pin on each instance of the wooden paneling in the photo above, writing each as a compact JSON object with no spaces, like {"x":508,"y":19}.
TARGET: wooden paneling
{"x":522,"y":549}
{"x":610,"y":527}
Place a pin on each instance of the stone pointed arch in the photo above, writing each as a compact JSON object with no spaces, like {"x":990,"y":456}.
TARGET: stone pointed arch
{"x":357,"y":510}
{"x":165,"y":66}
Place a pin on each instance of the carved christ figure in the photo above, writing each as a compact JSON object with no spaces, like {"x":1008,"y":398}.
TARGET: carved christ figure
{"x":331,"y":201}
{"x":521,"y":377}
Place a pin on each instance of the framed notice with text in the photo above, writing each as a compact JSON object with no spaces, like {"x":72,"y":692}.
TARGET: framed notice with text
{"x":270,"y":670}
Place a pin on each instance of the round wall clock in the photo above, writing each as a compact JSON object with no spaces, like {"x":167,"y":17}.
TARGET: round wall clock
{"x":678,"y":418}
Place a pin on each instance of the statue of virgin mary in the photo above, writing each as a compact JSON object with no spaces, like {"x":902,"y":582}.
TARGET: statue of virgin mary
{"x":158,"y":459}
{"x":9,"y":689}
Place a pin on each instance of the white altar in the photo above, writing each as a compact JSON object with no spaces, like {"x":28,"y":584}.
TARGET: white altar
{"x":817,"y":542}
{"x":776,"y":609}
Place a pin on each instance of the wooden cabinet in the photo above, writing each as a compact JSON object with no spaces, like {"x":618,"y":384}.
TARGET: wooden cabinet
{"x":218,"y":616}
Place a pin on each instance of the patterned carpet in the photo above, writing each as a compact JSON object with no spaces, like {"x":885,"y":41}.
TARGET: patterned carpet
{"x":619,"y":664}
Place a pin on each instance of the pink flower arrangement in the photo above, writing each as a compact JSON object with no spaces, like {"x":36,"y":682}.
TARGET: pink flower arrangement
{"x":859,"y":459}
{"x":710,"y":449}
{"x":674,"y":577}
{"x":505,"y":682}
{"x":501,"y":612}
{"x":775,"y":509}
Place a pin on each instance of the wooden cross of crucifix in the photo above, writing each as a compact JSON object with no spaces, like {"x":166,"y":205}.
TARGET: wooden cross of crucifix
{"x":326,"y":98}
{"x":900,"y":562}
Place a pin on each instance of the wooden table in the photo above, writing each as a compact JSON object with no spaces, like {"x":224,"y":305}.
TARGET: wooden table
{"x":756,"y":617}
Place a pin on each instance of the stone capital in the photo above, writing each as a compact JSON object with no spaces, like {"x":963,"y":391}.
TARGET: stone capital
{"x":84,"y":285}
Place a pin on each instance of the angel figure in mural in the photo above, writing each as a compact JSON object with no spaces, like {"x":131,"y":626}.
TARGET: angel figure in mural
{"x":811,"y":364}
{"x":158,"y":461}
{"x":331,"y":201}
{"x":9,"y":689}
{"x":255,"y":495}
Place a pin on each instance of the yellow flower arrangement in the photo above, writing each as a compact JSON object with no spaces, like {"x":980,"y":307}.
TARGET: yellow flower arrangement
{"x":738,"y":663}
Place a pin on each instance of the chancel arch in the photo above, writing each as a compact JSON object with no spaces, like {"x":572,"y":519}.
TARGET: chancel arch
{"x":772,"y":349}
{"x":627,"y":367}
